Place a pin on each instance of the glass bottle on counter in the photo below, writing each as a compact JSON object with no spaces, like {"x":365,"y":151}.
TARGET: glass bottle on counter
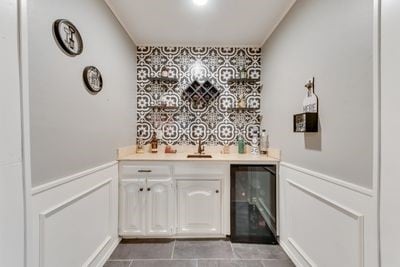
{"x":254,"y":145}
{"x":240,"y":145}
{"x":154,"y":143}
{"x":263,"y":142}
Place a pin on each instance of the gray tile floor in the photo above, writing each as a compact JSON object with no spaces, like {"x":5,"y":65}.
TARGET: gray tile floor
{"x":196,"y":253}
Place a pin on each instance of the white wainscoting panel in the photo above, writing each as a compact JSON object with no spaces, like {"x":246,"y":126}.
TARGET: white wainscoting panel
{"x":325,"y":222}
{"x":76,"y":220}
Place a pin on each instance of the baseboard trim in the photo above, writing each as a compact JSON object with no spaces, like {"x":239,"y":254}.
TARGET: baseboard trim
{"x":96,"y":253}
{"x":289,"y":252}
{"x":107,"y":255}
{"x":356,"y":188}
{"x":42,"y":188}
{"x":305,"y":257}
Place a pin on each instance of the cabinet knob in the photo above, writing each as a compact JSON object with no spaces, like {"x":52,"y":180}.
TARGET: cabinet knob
{"x":148,"y":189}
{"x":141,"y":189}
{"x":217,"y":191}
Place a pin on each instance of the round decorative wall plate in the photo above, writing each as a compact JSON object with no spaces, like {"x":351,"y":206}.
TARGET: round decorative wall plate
{"x":92,"y":78}
{"x":67,"y":37}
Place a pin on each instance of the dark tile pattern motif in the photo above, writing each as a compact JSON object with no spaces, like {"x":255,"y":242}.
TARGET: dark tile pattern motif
{"x":211,"y":122}
{"x":197,"y":253}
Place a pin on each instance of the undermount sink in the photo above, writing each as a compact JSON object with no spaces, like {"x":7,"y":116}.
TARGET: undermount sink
{"x":199,"y":156}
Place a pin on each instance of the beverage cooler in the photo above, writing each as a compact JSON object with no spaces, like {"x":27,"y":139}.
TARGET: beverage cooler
{"x":253,"y":204}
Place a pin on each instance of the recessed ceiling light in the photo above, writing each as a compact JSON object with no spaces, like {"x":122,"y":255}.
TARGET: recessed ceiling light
{"x":200,"y":2}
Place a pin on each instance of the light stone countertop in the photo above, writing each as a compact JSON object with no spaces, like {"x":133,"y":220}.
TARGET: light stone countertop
{"x":129,"y":154}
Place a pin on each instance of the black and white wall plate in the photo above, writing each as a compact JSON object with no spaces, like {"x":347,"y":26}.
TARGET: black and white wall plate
{"x":93,"y":79}
{"x":67,"y":37}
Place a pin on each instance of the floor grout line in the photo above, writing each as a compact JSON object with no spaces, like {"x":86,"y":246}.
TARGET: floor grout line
{"x":119,"y":259}
{"x":233,"y":252}
{"x":173,"y":250}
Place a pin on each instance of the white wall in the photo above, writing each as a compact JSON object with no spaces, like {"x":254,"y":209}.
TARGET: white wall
{"x":12,"y":230}
{"x":390,"y":144}
{"x":72,"y":130}
{"x":328,"y":180}
{"x":331,"y":40}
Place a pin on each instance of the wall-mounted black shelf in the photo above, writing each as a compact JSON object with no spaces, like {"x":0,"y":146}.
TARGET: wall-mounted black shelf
{"x":163,"y":79}
{"x":243,"y":109}
{"x":243,"y":80}
{"x":306,"y":122}
{"x":198,"y":92}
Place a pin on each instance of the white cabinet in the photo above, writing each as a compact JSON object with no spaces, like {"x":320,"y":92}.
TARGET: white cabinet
{"x":164,"y":199}
{"x":146,"y":207}
{"x":199,"y":207}
{"x":132,"y":203}
{"x":159,"y":207}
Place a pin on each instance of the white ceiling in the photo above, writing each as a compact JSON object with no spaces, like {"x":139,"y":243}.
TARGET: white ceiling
{"x":218,"y":23}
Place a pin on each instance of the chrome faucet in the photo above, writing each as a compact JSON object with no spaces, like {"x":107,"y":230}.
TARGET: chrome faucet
{"x":200,"y":148}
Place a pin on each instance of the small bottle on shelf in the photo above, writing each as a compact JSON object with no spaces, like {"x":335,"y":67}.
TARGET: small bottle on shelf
{"x":164,"y":72}
{"x":241,"y":102}
{"x":154,"y":143}
{"x":243,"y":73}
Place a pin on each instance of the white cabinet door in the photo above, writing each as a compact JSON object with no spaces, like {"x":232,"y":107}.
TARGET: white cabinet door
{"x":199,"y":207}
{"x":132,"y":207}
{"x":159,"y":207}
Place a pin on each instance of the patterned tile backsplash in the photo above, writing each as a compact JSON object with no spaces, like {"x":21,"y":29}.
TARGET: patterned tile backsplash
{"x":212,"y":121}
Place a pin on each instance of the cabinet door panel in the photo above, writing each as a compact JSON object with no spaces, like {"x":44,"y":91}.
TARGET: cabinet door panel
{"x":132,"y":212}
{"x":199,"y":207}
{"x":160,"y":212}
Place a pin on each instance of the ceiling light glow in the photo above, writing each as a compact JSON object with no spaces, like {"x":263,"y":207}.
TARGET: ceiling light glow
{"x":200,"y":2}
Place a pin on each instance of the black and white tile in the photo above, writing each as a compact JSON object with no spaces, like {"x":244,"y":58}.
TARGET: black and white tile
{"x":212,"y":122}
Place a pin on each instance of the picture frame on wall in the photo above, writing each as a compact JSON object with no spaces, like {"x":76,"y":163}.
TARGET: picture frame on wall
{"x":93,"y":79}
{"x":67,"y":37}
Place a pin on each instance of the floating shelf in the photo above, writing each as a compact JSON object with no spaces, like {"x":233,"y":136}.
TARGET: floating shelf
{"x":306,"y":122}
{"x":243,"y":109}
{"x":198,"y":92}
{"x":164,"y":107}
{"x":243,"y":80}
{"x":163,"y":79}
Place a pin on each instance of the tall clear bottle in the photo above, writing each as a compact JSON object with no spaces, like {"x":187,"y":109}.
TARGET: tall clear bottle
{"x":264,"y":142}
